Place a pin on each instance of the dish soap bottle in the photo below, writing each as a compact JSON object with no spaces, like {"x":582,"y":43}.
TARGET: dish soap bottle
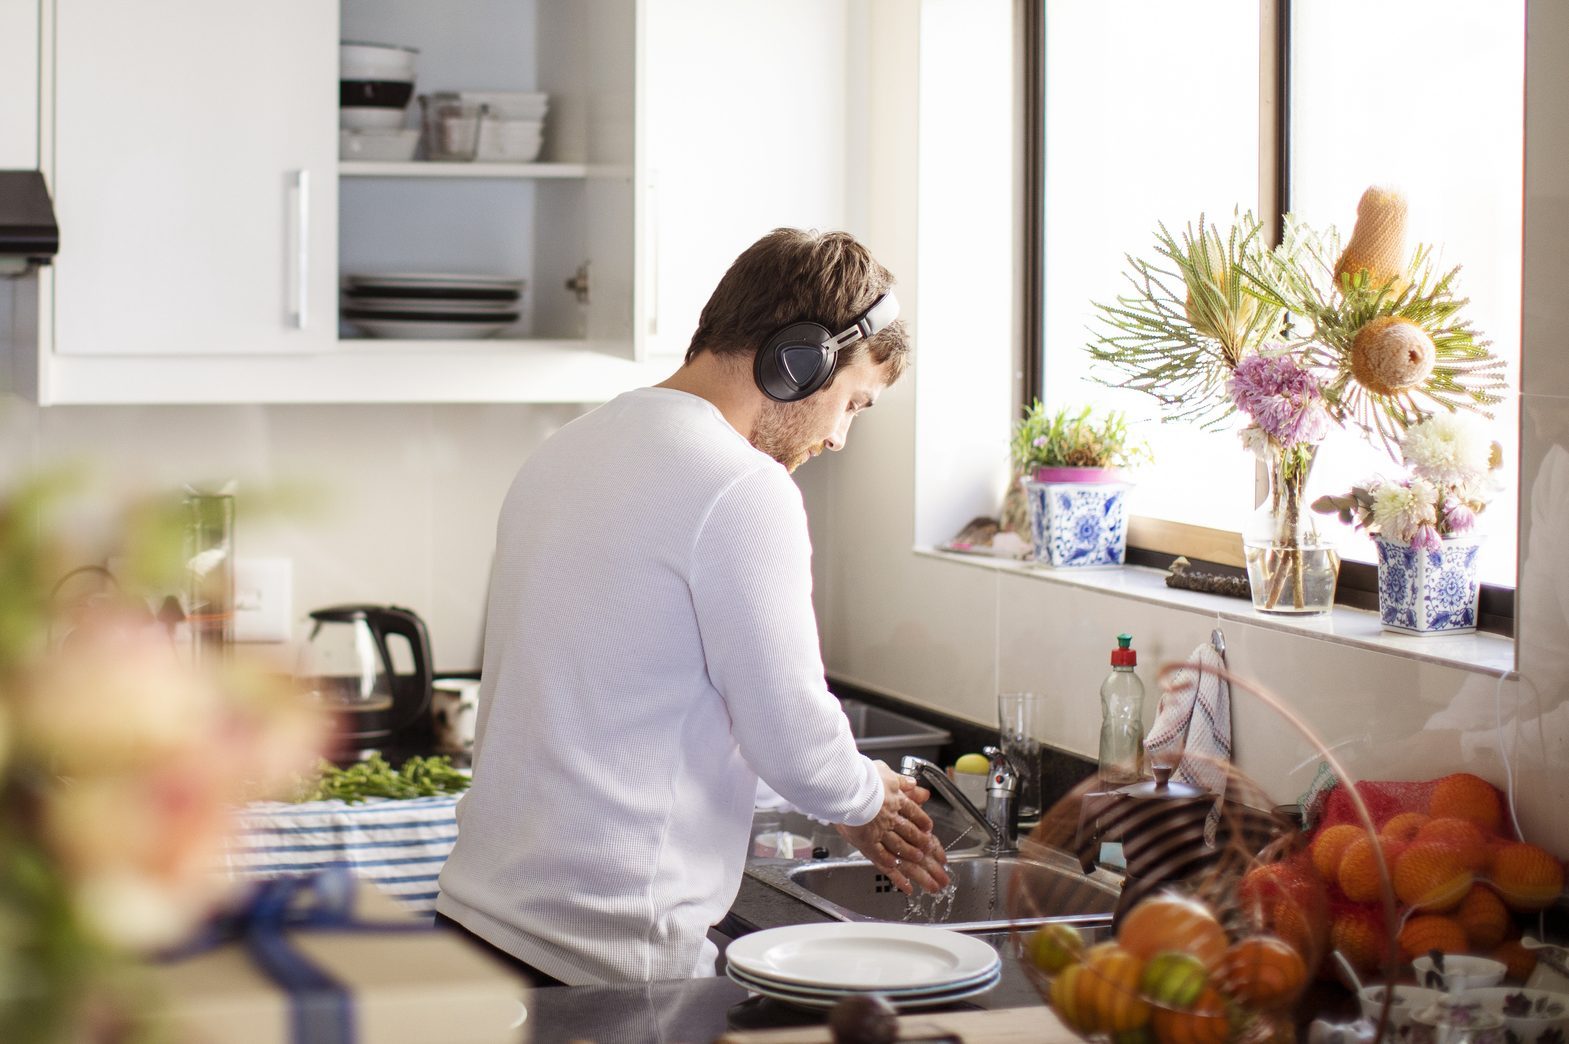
{"x":1122,"y":719}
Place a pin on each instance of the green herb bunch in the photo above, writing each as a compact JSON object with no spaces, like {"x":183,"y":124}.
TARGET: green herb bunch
{"x":375,"y":778}
{"x":1073,"y":439}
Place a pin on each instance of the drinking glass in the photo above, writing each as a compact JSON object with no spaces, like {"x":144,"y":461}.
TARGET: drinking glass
{"x":1017,"y":718}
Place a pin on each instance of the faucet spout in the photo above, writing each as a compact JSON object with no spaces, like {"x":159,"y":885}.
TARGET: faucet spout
{"x":996,"y":826}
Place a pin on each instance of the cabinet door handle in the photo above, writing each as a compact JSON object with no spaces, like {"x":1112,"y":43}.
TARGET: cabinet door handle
{"x":299,"y":247}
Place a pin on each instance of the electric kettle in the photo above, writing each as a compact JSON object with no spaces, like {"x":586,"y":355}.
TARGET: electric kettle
{"x":347,"y":665}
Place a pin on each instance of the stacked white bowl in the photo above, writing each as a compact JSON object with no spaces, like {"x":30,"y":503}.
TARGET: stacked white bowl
{"x":375,"y":85}
{"x":513,"y":127}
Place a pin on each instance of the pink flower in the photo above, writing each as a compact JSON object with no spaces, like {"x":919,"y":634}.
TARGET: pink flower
{"x":1427,"y":537}
{"x":1458,"y":516}
{"x":1284,"y":399}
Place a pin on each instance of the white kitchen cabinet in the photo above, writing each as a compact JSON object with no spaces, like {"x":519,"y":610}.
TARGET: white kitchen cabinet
{"x":174,"y":132}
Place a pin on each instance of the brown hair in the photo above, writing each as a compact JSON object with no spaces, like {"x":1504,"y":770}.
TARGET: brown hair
{"x":791,"y":276}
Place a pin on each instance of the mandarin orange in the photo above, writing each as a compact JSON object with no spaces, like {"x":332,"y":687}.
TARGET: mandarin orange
{"x":1527,"y":876}
{"x":1484,"y":917}
{"x":1359,"y":876}
{"x":1108,"y":999}
{"x":1403,"y":827}
{"x":1431,"y":876}
{"x":1204,"y":1023}
{"x":1519,"y":961}
{"x":1172,"y":922}
{"x":1462,"y":835}
{"x":1359,"y":933}
{"x":1261,"y":972}
{"x":1328,"y":846}
{"x":1431,"y":932}
{"x":1288,"y":900}
{"x":1466,"y":796}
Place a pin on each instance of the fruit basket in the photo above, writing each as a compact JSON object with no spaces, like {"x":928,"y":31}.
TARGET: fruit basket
{"x":1237,"y":924}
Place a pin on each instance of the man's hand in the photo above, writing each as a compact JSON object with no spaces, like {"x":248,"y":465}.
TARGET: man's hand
{"x":899,"y":839}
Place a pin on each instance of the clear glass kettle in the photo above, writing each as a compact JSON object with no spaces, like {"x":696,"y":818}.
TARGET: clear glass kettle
{"x":347,"y":665}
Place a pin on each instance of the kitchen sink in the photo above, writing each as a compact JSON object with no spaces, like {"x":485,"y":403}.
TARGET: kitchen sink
{"x":987,"y":893}
{"x":804,"y":835}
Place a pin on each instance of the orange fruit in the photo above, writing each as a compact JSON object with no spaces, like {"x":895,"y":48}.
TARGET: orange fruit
{"x":1359,"y":933}
{"x":1064,"y":998}
{"x":1288,"y":900}
{"x":1403,"y":827}
{"x":1465,"y":796}
{"x":1204,"y":1023}
{"x":1359,"y":876}
{"x":1462,"y":835}
{"x":1430,"y":876}
{"x":1262,"y":972}
{"x":1108,"y":998}
{"x":1172,"y":922}
{"x":1483,"y":916}
{"x":1328,"y":847}
{"x":1519,"y":961}
{"x":1527,"y":876}
{"x":1431,"y":932}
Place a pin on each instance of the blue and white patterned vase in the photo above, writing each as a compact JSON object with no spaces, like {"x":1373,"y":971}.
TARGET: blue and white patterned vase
{"x":1078,"y":524}
{"x":1428,"y":592}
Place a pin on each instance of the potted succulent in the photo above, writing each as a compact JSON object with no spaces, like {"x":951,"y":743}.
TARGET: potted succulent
{"x":1070,"y":465}
{"x":1425,"y":525}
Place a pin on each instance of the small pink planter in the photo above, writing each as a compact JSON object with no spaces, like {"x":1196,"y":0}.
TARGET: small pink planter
{"x":1086,"y":476}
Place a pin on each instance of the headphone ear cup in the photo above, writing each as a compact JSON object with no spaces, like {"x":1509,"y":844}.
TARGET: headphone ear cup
{"x":795,"y":362}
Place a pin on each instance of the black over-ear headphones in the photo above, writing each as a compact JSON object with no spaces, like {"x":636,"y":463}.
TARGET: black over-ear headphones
{"x":799,"y":359}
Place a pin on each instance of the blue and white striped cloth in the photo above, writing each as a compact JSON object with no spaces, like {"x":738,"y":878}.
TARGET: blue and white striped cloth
{"x":398,"y":844}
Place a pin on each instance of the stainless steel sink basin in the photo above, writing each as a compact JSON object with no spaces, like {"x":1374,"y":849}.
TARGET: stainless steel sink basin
{"x":989,"y":893}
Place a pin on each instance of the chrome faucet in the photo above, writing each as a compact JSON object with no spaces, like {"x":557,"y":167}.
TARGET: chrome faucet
{"x":1002,"y":784}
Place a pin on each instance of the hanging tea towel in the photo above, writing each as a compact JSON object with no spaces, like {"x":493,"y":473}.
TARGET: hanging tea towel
{"x":1192,"y":727}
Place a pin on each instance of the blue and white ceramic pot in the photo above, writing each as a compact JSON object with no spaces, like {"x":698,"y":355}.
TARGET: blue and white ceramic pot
{"x":1424,"y":591}
{"x":1078,"y":516}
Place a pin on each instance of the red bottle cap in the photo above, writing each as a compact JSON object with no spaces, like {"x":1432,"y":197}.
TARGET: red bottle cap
{"x":1123,"y":655}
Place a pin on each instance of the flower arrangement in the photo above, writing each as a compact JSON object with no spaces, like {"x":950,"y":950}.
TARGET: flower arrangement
{"x":119,"y":762}
{"x":1301,"y":338}
{"x":1073,"y":439}
{"x":1451,"y":482}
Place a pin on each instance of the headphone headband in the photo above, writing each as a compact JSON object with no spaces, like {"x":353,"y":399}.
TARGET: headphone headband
{"x":799,"y":359}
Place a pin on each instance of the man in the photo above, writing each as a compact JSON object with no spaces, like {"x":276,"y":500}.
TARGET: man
{"x":651,"y":648}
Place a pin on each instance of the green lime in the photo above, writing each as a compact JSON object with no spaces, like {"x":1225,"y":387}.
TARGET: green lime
{"x":1055,"y":946}
{"x":1173,"y":980}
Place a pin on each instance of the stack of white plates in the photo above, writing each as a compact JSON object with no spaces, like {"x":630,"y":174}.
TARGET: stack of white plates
{"x":818,"y":965}
{"x":432,"y":306}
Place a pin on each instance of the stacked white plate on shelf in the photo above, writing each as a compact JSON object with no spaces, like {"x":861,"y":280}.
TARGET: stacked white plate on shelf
{"x":432,"y":306}
{"x":818,"y":965}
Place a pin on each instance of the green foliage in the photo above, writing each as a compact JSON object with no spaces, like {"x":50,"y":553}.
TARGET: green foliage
{"x":374,"y":777}
{"x":1193,"y":315}
{"x":1069,"y":439}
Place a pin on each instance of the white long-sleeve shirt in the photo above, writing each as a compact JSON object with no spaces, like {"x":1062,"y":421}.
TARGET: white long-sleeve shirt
{"x":650,"y":651}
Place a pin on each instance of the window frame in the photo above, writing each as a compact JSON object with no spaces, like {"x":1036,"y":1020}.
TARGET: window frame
{"x":1153,"y":541}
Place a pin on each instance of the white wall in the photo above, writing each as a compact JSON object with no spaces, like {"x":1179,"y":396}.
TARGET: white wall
{"x":393,"y":504}
{"x":950,"y":635}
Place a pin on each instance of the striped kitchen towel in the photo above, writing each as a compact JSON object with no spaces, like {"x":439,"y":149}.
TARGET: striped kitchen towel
{"x":1192,"y":730}
{"x":400,"y":844}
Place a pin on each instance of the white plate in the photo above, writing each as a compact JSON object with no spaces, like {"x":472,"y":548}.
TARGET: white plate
{"x":425,"y":330}
{"x":901,"y":1003}
{"x":861,"y":956}
{"x":829,"y":991}
{"x":427,"y":280}
{"x":452,"y":306}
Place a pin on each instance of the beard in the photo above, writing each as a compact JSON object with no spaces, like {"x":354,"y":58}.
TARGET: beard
{"x":783,"y":432}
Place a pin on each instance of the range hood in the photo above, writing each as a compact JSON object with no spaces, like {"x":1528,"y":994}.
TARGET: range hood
{"x":28,"y":233}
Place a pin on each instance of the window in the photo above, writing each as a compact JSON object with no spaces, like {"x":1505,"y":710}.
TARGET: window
{"x":1158,"y":112}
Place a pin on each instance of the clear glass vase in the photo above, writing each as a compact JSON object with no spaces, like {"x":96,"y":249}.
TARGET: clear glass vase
{"x":1292,"y":567}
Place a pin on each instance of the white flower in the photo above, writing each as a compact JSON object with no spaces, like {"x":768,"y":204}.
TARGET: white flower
{"x":1401,"y":509}
{"x":1448,"y":449}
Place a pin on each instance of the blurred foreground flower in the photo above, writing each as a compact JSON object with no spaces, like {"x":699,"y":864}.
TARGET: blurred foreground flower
{"x":119,"y":765}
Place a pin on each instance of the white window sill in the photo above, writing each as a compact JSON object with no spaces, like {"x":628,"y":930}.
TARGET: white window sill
{"x":1483,"y":653}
